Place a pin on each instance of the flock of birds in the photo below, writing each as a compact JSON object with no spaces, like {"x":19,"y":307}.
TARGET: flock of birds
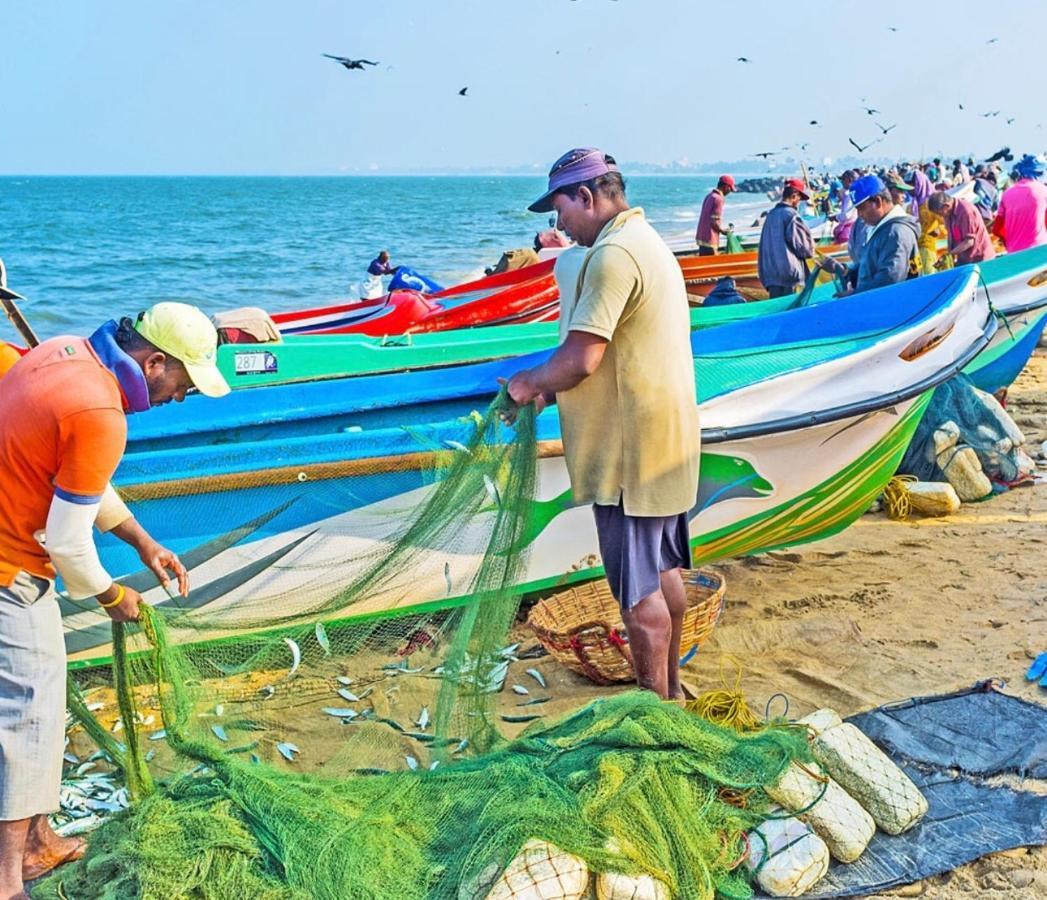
{"x":871,"y":111}
{"x":351,"y":64}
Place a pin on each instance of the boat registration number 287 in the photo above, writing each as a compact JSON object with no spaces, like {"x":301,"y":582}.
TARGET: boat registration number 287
{"x":255,"y":362}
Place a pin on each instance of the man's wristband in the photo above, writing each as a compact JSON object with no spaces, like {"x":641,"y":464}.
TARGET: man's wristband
{"x":121,"y":592}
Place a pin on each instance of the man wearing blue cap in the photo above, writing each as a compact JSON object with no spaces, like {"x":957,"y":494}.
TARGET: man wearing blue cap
{"x":623,"y":381}
{"x":890,"y":253}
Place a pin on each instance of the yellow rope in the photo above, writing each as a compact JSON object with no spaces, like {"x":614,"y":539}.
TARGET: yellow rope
{"x":726,"y":706}
{"x":896,"y":500}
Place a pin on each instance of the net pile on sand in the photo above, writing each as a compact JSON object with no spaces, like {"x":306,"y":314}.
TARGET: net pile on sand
{"x":367,"y":757}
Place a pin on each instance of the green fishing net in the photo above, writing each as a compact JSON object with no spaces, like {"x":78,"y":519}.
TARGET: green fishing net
{"x":293,"y":750}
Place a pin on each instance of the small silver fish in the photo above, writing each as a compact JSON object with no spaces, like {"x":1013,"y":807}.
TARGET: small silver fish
{"x":84,"y":768}
{"x":160,"y":735}
{"x":322,"y":639}
{"x":423,"y":720}
{"x":296,"y":656}
{"x":117,"y":726}
{"x":412,"y":763}
{"x":534,"y":701}
{"x":457,"y":445}
{"x":510,"y":650}
{"x":218,"y":710}
{"x":520,"y":689}
{"x":79,"y":826}
{"x":434,"y":765}
{"x":341,"y":712}
{"x":287,"y":750}
{"x":267,"y":691}
{"x":447,"y":577}
{"x":219,"y":732}
{"x":537,"y":676}
{"x":94,"y":707}
{"x":348,"y":695}
{"x":71,"y":758}
{"x":530,"y":717}
{"x":492,"y":491}
{"x":150,"y":754}
{"x":461,"y":745}
{"x":345,"y":679}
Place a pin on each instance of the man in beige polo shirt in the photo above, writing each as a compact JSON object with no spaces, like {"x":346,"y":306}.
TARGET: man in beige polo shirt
{"x":623,"y":381}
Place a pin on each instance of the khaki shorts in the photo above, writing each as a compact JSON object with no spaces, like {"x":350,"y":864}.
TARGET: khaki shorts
{"x":32,"y":698}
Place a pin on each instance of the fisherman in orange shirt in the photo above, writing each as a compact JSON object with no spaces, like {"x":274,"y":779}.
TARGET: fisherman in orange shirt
{"x":62,"y":434}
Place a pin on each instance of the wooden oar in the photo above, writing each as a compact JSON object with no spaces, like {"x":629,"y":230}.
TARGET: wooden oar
{"x":7,"y":299}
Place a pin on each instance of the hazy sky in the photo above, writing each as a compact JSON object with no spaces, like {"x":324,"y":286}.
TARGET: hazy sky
{"x":240,"y":87}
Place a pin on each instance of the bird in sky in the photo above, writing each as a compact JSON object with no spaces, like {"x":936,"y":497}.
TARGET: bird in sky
{"x":992,"y":40}
{"x":351,"y":63}
{"x":1010,"y":120}
{"x":859,"y":147}
{"x":1004,"y":154}
{"x":888,"y":128}
{"x":990,"y":115}
{"x":871,"y":111}
{"x":804,"y":146}
{"x":461,"y":93}
{"x":814,"y":122}
{"x":960,"y":105}
{"x":767,"y":154}
{"x":743,"y":59}
{"x":891,"y":28}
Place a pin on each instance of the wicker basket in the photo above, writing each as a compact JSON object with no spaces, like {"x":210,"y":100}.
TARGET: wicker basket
{"x":582,"y":627}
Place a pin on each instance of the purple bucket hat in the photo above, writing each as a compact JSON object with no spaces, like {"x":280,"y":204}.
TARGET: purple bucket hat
{"x":574,"y":167}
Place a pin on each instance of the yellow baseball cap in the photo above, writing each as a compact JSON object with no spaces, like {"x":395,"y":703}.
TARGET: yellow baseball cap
{"x":189,"y":336}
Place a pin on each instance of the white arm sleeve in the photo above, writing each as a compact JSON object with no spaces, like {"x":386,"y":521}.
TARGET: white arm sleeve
{"x":70,"y":544}
{"x":112,"y":511}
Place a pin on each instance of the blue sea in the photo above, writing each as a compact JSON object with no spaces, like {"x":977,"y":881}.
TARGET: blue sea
{"x":85,"y":249}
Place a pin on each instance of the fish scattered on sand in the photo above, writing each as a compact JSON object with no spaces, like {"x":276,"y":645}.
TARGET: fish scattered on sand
{"x":348,"y":695}
{"x":219,"y":732}
{"x":423,"y":719}
{"x":71,"y":758}
{"x":340,"y":712}
{"x":296,"y":656}
{"x":534,"y":701}
{"x":457,"y":445}
{"x":528,"y":717}
{"x":537,"y":676}
{"x":287,"y":750}
{"x":492,"y":491}
{"x":520,"y":689}
{"x":322,"y":639}
{"x":412,"y":763}
{"x":267,"y":691}
{"x":447,"y":577}
{"x":345,"y":679}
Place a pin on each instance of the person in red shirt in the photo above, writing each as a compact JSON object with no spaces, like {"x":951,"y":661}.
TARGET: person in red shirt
{"x":710,"y":221}
{"x":62,"y":434}
{"x":969,"y":240}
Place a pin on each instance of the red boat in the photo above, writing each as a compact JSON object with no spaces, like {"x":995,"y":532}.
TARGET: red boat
{"x":523,"y":295}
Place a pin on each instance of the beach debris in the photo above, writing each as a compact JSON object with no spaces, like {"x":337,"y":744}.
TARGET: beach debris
{"x":322,"y":639}
{"x":412,"y":763}
{"x":296,"y":656}
{"x":288,"y":750}
{"x":539,"y":867}
{"x":418,"y":639}
{"x":520,"y":689}
{"x":341,"y":712}
{"x":348,"y":695}
{"x":345,"y":679}
{"x":537,"y":676}
{"x":423,"y":719}
{"x":520,"y":717}
{"x":219,"y":732}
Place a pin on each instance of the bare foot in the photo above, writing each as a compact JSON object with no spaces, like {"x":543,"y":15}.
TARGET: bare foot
{"x":58,"y":850}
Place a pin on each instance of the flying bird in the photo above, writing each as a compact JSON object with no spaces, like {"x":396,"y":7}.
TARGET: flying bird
{"x":871,"y":111}
{"x":989,"y":115}
{"x":351,"y":63}
{"x":767,"y":154}
{"x":992,"y":40}
{"x":891,"y":28}
{"x":859,"y":147}
{"x":1004,"y":154}
{"x":960,"y":105}
{"x":814,"y":122}
{"x":888,"y":128}
{"x":461,"y":93}
{"x":1010,"y":120}
{"x":743,"y":59}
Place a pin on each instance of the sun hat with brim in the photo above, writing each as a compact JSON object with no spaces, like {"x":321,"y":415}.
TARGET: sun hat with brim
{"x":899,"y":185}
{"x":182,"y":331}
{"x":797,"y":185}
{"x":574,"y":167}
{"x":866,"y":187}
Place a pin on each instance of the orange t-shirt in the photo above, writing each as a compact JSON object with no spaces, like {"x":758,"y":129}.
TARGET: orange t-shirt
{"x":62,"y":431}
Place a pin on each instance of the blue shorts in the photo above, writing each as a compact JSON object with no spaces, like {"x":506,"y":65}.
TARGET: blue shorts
{"x":637,"y":549}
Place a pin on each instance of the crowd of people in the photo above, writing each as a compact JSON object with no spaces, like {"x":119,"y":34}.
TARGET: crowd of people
{"x":892,"y":221}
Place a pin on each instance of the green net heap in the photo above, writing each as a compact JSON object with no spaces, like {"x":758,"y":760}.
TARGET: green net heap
{"x":334,"y":758}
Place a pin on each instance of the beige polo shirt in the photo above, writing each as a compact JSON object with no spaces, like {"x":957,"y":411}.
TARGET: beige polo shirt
{"x":630,"y":430}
